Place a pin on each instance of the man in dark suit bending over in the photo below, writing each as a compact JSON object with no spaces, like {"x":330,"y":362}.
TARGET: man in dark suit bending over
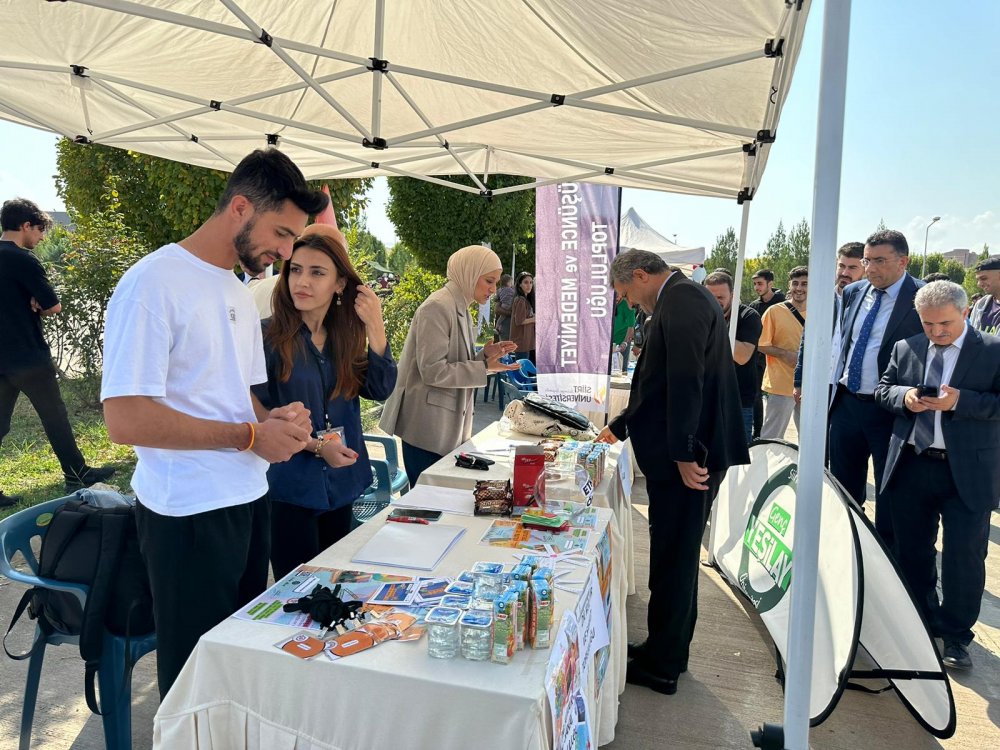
{"x":686,"y":427}
{"x":944,"y":461}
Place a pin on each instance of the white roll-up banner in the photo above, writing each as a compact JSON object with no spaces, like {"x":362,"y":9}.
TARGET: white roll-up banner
{"x":860,"y":598}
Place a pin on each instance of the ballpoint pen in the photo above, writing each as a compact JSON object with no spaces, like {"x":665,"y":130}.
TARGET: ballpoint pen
{"x":408,"y":519}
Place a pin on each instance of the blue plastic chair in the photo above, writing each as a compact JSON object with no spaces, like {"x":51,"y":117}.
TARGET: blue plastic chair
{"x":16,"y":533}
{"x":377,"y":496}
{"x":398,"y":481}
{"x":528,"y":368}
{"x":521,"y":381}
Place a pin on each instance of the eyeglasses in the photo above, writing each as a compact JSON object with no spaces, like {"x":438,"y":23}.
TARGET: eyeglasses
{"x":875,"y":261}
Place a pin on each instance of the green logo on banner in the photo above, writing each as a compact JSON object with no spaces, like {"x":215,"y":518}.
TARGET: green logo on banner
{"x":768,"y":542}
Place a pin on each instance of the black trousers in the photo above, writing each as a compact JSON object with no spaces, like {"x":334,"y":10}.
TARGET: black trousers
{"x":923,"y":491}
{"x":416,"y":460}
{"x":859,"y":430}
{"x":42,"y":389}
{"x":677,"y":518}
{"x":202,"y":568}
{"x":299,"y":534}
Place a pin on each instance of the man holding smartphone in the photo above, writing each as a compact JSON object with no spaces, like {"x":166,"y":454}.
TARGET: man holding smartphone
{"x":943,"y":386}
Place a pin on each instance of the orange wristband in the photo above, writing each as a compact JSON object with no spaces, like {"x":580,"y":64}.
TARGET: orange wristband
{"x":253,"y":436}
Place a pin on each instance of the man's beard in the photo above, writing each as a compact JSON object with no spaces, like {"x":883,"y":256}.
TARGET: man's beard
{"x":250,"y":259}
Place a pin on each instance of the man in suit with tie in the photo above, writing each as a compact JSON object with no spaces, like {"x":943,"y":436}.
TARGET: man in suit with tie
{"x":943,"y":386}
{"x":877,"y":312}
{"x":686,"y":427}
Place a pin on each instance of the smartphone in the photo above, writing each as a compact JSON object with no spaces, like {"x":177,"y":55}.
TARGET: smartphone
{"x":428,"y":515}
{"x":927,"y":391}
{"x":701,"y":454}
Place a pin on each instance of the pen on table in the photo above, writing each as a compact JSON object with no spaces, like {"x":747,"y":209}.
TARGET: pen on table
{"x":408,"y":519}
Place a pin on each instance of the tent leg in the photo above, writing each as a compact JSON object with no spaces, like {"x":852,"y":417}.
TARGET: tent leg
{"x":826,"y":206}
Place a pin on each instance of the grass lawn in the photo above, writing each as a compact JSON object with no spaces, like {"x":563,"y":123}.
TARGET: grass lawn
{"x":29,"y":468}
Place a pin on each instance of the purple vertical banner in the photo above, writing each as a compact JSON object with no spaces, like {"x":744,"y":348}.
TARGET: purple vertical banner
{"x":576,"y":238}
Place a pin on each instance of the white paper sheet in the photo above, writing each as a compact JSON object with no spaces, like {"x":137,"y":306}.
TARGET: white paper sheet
{"x":445,"y":499}
{"x":409,"y":545}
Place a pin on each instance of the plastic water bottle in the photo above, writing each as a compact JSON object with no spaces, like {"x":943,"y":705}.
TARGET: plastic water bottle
{"x":442,"y":632}
{"x":477,"y":634}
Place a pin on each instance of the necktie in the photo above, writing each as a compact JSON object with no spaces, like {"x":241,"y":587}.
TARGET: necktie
{"x":923,"y":429}
{"x":858,"y":357}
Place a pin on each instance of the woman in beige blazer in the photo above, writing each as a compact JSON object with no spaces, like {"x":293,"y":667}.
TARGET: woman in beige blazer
{"x":439,"y":369}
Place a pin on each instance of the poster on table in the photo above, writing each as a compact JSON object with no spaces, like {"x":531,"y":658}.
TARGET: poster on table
{"x":860,"y":599}
{"x":563,"y":680}
{"x":592,"y":624}
{"x":603,"y":563}
{"x":576,"y":238}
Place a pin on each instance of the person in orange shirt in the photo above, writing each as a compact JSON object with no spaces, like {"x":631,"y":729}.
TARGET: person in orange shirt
{"x":782,"y":333}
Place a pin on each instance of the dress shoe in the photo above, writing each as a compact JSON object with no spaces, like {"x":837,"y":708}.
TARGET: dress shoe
{"x":956,"y":656}
{"x":638,"y":674}
{"x":9,"y":501}
{"x":87,"y":476}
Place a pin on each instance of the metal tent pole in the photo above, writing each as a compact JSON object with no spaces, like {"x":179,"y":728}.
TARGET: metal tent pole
{"x":826,"y":205}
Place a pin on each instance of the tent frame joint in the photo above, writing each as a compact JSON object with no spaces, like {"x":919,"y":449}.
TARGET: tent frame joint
{"x":558,"y":100}
{"x":774,"y":47}
{"x":609,"y":170}
{"x":215,"y":104}
{"x":745,"y":194}
{"x":378,"y":65}
{"x":272,"y":139}
{"x":487,"y":194}
{"x":266,"y":39}
{"x":82,"y":140}
{"x":797,"y":4}
{"x":379,"y":144}
{"x":193,"y":138}
{"x":750,"y":149}
{"x":80,"y":70}
{"x":766,"y":136}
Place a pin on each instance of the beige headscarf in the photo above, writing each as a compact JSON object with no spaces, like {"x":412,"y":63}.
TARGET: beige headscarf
{"x":465,"y":266}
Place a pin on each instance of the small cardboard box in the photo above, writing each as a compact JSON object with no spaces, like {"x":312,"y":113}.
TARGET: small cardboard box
{"x":529,"y":465}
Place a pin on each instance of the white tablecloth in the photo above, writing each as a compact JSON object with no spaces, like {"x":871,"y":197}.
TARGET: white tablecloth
{"x":238,"y":691}
{"x":608,"y":494}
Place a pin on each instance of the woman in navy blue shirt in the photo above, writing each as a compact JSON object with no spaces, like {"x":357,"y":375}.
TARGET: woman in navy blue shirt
{"x":325,"y":346}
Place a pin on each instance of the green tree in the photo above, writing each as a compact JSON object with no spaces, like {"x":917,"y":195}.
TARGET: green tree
{"x":401,"y":306}
{"x":101,"y":249}
{"x":985,"y":252}
{"x":400,"y":259}
{"x":435,"y":221}
{"x":161,"y":200}
{"x":969,"y":283}
{"x":798,"y":244}
{"x":724,"y":252}
{"x":936,"y":263}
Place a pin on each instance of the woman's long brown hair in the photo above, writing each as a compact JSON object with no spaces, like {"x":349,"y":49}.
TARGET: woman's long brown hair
{"x":344,"y":330}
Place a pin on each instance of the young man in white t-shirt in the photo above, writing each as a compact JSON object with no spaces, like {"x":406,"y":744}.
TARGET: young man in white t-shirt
{"x":182,"y":347}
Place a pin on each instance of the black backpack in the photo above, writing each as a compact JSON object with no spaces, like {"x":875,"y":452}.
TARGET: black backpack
{"x":98,"y":547}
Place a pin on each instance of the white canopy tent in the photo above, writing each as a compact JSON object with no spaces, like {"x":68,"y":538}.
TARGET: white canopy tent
{"x":635,"y":234}
{"x":675,"y":95}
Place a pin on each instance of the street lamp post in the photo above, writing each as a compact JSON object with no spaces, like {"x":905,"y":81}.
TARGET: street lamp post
{"x":923,"y":271}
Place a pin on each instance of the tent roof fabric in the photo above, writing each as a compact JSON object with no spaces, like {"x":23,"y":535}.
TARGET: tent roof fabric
{"x":636,"y":234}
{"x":676,"y":95}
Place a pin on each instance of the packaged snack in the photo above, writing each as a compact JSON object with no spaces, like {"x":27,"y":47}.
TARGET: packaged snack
{"x":504,"y":628}
{"x":493,"y":497}
{"x":529,"y":473}
{"x":458,"y":601}
{"x":540,"y":617}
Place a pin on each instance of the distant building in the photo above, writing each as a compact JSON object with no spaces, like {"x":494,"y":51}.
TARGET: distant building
{"x":62,"y":219}
{"x":963,"y":255}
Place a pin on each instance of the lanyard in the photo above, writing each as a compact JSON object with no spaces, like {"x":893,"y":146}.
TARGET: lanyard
{"x":323,"y":385}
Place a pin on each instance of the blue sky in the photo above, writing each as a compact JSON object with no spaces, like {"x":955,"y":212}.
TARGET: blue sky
{"x":923,"y":120}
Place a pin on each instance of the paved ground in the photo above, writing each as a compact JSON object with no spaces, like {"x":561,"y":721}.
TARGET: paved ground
{"x":729,"y":690}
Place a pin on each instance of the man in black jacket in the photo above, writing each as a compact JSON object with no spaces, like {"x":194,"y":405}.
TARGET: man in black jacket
{"x":686,"y":427}
{"x":26,"y":296}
